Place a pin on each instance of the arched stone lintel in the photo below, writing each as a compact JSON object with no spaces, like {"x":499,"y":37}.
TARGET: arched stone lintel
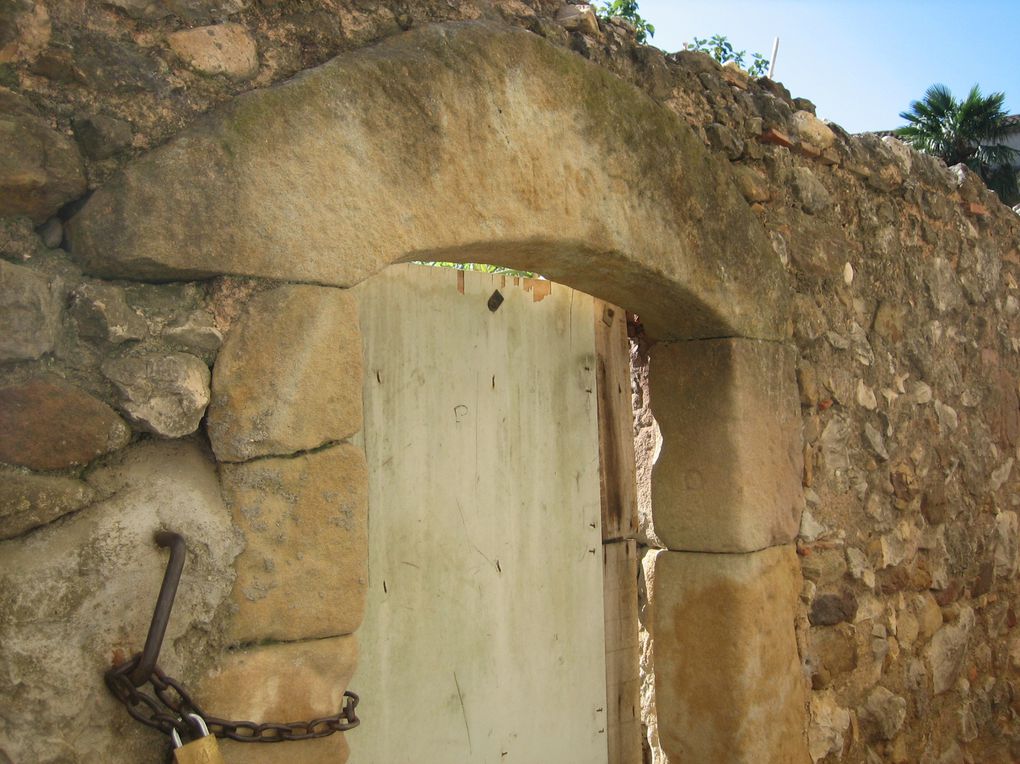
{"x":667,"y":308}
{"x":432,"y":141}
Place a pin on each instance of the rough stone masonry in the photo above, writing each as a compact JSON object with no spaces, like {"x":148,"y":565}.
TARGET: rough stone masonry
{"x":117,"y":414}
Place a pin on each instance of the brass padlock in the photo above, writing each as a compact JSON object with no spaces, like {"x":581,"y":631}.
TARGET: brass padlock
{"x":202,"y":750}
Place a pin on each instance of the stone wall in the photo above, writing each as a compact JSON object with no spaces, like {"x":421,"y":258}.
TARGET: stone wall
{"x":905,"y":319}
{"x":113,"y":427}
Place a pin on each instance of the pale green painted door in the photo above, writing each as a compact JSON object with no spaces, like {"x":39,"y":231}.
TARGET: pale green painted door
{"x":484,"y":638}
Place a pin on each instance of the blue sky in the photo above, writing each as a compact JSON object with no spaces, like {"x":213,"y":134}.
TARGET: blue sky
{"x":861,"y":61}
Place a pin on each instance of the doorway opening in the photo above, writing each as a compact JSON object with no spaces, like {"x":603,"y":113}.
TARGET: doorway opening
{"x":501,"y":622}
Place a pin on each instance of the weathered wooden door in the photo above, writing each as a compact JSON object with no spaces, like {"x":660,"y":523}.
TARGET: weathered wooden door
{"x":484,"y":638}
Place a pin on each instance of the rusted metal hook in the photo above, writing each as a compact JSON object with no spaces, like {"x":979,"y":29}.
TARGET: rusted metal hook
{"x":164,"y":604}
{"x":168,"y":704}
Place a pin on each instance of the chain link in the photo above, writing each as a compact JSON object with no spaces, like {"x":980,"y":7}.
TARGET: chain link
{"x":166,"y":708}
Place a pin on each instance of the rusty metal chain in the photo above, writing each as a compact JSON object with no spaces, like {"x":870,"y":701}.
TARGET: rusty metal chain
{"x":169,"y":703}
{"x":166,"y":709}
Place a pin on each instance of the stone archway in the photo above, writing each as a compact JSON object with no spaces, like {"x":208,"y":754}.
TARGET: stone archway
{"x":436,"y":143}
{"x":446,"y":143}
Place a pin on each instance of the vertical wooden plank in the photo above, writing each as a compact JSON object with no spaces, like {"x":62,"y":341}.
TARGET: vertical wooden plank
{"x":623,"y":683}
{"x":616,"y":423}
{"x":618,"y":479}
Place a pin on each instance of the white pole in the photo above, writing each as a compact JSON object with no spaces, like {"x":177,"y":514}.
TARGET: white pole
{"x":772,"y":61}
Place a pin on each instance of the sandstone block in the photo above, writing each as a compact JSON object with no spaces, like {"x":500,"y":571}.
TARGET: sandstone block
{"x":25,"y":30}
{"x":579,"y":18}
{"x":728,"y":477}
{"x":946,"y":651}
{"x":907,"y":627}
{"x":48,"y":424}
{"x":77,"y":596}
{"x":115,"y":65}
{"x":697,"y":62}
{"x":728,"y":681}
{"x":29,"y":313}
{"x":833,"y":651}
{"x":812,"y":130}
{"x":929,"y":614}
{"x":891,"y":320}
{"x":345,"y":170}
{"x":303,"y":573}
{"x":804,"y":104}
{"x":1007,"y":544}
{"x":752,"y":184}
{"x":40,"y":169}
{"x":282,"y":683}
{"x":809,"y":191}
{"x":219,"y":49}
{"x":886,"y":178}
{"x":28,"y":501}
{"x":904,"y":156}
{"x":288,"y":377}
{"x":944,"y":285}
{"x":165,"y":394}
{"x":734,"y":75}
{"x":830,"y":609}
{"x":883,"y":714}
{"x":101,"y":312}
{"x":820,"y":248}
{"x":725,"y":140}
{"x":830,"y":724}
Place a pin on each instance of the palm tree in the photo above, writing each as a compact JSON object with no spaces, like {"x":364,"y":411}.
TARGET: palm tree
{"x":970,"y":131}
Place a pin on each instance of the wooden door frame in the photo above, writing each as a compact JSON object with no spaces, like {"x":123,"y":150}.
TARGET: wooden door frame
{"x":618,"y":478}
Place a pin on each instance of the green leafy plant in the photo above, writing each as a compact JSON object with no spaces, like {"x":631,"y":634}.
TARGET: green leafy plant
{"x":971,"y":131}
{"x":498,"y":270}
{"x":627,"y":9}
{"x":721,"y":49}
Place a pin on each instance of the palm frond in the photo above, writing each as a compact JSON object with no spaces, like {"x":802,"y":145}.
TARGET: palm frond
{"x":969,"y":131}
{"x":993,"y":154}
{"x":1004,"y":180}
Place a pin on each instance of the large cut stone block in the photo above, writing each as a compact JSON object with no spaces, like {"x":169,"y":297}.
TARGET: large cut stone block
{"x":304,"y":570}
{"x":288,"y":377}
{"x":728,"y":476}
{"x":283,"y":683}
{"x":352,"y":167}
{"x":728,"y":682}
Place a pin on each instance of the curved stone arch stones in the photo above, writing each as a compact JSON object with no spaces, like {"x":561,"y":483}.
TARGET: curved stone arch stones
{"x":479,"y":142}
{"x":438,"y":143}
